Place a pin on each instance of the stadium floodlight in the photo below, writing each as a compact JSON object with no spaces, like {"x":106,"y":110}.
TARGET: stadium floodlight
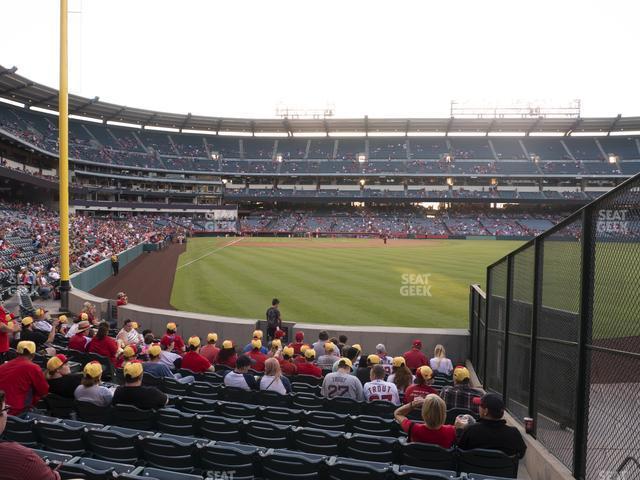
{"x":448,"y":158}
{"x":450,"y":181}
{"x":362,"y":158}
{"x":224,"y":180}
{"x":613,"y":158}
{"x":279,"y":158}
{"x":362,"y":182}
{"x":215,"y":156}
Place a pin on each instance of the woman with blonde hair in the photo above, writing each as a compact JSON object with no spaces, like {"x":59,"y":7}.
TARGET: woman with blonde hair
{"x":273,"y":378}
{"x":440,"y":363}
{"x":434,"y":414}
{"x":400,"y":374}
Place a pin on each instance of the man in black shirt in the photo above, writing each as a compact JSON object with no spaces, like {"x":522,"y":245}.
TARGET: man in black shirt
{"x":491,"y":431}
{"x":133,"y":393}
{"x":28,"y":333}
{"x":274,"y":320}
{"x":61,"y":381}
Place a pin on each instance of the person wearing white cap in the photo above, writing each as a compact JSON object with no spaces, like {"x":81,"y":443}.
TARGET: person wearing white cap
{"x":385,"y":360}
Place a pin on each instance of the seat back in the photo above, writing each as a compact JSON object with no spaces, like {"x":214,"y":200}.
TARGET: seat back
{"x":291,"y":465}
{"x":20,"y":430}
{"x":266,"y":434}
{"x":170,"y":420}
{"x":408,"y":472}
{"x":380,"y":408}
{"x":59,"y":407}
{"x":281,"y":416}
{"x":220,"y":457}
{"x":275,"y":399}
{"x":159,"y":474}
{"x":213,"y":377}
{"x":90,"y":412}
{"x":308,"y":379}
{"x":130,"y":416}
{"x":204,"y":390}
{"x":452,"y":413}
{"x":60,"y":438}
{"x":488,"y":462}
{"x":238,"y":395}
{"x":318,"y":441}
{"x":373,"y":448}
{"x":149,"y":380}
{"x":168,"y":454}
{"x":220,"y":428}
{"x":372,"y":425}
{"x":424,"y":455}
{"x":322,"y":420}
{"x":238,"y":410}
{"x":307,"y":401}
{"x":343,"y":405}
{"x":92,"y":469}
{"x":349,"y":469}
{"x":172,"y":386}
{"x":113,"y":446}
{"x":197,"y":405}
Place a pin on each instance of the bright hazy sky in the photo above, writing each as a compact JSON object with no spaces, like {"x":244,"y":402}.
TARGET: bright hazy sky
{"x":393,"y":58}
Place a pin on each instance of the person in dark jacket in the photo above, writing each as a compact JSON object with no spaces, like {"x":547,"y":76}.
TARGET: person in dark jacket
{"x":492,"y":431}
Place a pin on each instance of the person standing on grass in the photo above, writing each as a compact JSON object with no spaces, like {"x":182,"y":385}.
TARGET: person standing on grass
{"x":274,"y":319}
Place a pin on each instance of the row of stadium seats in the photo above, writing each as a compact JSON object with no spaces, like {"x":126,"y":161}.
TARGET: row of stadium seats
{"x":189,"y":454}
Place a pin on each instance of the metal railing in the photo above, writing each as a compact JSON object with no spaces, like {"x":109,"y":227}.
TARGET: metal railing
{"x":558,"y":333}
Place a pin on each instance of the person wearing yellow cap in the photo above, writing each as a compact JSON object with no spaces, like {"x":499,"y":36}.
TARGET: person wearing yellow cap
{"x":352,"y":354}
{"x":7,"y":328}
{"x":128,"y":335}
{"x":227,"y":355}
{"x":128,"y":354}
{"x":38,"y":337}
{"x":462,"y":395}
{"x":192,"y":360}
{"x":342,"y":383}
{"x":210,"y":351}
{"x":401,"y":376}
{"x":257,"y":335}
{"x":286,"y":362}
{"x":363,"y":372}
{"x":257,"y":356}
{"x":58,"y":374}
{"x":90,"y":390}
{"x":41,"y":321}
{"x":158,"y":369}
{"x":134,"y":393}
{"x":22,"y":380}
{"x":422,"y":386}
{"x":18,"y":461}
{"x":309,"y":366}
{"x":171,"y":340}
{"x":330,"y":356}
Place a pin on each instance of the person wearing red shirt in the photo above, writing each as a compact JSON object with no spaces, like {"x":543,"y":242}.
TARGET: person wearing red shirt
{"x":18,"y":461}
{"x":227,"y":355}
{"x":308,"y":367}
{"x":79,"y":341}
{"x":22,"y":380}
{"x":422,"y":387}
{"x":172,"y":338}
{"x":193,"y":361}
{"x":414,"y":357}
{"x":286,"y":362}
{"x":257,"y":356}
{"x":297,"y":345}
{"x":210,"y":351}
{"x":7,"y":328}
{"x":103,"y":344}
{"x":433,"y":430}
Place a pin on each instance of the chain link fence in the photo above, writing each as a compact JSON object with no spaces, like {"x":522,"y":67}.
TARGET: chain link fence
{"x":558,"y":335}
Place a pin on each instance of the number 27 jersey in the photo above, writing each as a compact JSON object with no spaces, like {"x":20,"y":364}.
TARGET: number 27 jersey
{"x":381,"y":390}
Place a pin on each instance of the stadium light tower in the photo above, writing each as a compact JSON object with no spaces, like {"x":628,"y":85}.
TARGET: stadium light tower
{"x":63,"y":168}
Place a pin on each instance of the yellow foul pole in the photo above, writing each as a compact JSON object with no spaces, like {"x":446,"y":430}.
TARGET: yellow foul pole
{"x":63,"y":170}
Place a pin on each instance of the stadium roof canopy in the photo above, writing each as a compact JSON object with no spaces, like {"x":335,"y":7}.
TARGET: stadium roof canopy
{"x":20,"y":89}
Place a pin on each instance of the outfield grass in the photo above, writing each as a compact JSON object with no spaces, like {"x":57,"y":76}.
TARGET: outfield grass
{"x":338,"y":281}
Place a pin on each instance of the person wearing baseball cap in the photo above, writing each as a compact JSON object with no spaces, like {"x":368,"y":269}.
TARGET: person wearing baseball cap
{"x":73,"y":329}
{"x":363,"y":372}
{"x":330,"y":356}
{"x":40,"y":321}
{"x":58,"y":374}
{"x":414,"y":357}
{"x":286,"y":362}
{"x":309,"y":367}
{"x":491,"y":431}
{"x":22,"y":380}
{"x":80,"y":340}
{"x":158,"y":369}
{"x":128,"y":354}
{"x":7,"y":329}
{"x":352,"y":354}
{"x":227,"y":355}
{"x":128,"y":334}
{"x":299,"y":341}
{"x":257,"y":356}
{"x":192,"y":360}
{"x":210,"y":351}
{"x":240,"y":377}
{"x":461,"y":394}
{"x":39,"y":337}
{"x":18,"y":461}
{"x":171,"y":340}
{"x":401,"y":376}
{"x":90,"y":390}
{"x":134,"y":393}
{"x":422,"y":386}
{"x":342,"y":383}
{"x":257,"y":335}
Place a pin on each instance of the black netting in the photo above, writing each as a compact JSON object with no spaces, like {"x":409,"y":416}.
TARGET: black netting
{"x":557,"y":337}
{"x":496,"y":326}
{"x":614,"y":366}
{"x":482,"y":329}
{"x":519,"y":337}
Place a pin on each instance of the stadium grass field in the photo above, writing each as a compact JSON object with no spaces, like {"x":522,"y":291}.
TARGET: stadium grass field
{"x":335,"y":281}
